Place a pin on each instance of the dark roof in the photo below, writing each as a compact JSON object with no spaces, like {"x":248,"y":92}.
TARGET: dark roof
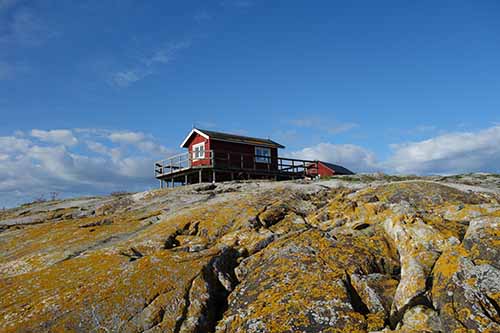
{"x":339,"y":170}
{"x":240,"y":139}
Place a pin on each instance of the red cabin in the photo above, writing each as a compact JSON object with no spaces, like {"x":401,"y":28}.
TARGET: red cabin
{"x":216,"y":156}
{"x":233,"y":149}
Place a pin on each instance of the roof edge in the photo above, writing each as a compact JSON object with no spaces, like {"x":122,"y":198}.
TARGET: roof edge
{"x":207,"y":135}
{"x":194,"y":130}
{"x":274,"y":145}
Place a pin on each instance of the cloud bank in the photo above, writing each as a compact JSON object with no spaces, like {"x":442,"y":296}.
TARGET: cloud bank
{"x":355,"y":158}
{"x":450,"y":153}
{"x":87,"y":161}
{"x":75,"y":162}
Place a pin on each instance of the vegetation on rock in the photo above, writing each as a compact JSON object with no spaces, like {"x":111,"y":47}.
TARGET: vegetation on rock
{"x":361,"y":254}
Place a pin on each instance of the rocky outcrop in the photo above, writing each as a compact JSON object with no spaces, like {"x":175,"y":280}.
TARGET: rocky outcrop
{"x":365,"y":253}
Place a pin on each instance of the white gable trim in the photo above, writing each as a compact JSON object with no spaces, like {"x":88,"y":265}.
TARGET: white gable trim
{"x":194,"y":130}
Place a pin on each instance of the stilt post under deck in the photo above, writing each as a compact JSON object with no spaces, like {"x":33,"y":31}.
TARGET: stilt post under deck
{"x":199,"y":176}
{"x":213,"y":176}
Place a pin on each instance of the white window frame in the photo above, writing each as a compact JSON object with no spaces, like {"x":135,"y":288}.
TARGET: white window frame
{"x":198,"y":154}
{"x":263,"y":157}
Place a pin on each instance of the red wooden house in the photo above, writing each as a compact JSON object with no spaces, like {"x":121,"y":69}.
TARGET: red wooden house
{"x":261,"y":152}
{"x":216,"y":156}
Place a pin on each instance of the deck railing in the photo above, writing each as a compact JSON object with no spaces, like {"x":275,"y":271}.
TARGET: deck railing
{"x":181,"y":162}
{"x":235,"y":161}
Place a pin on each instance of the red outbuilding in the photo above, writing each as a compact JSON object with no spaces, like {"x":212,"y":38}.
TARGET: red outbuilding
{"x":325,"y":169}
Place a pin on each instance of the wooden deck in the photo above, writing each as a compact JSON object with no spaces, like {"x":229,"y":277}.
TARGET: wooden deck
{"x":223,"y":166}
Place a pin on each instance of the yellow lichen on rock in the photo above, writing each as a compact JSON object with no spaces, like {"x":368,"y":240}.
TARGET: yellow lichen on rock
{"x":328,"y":256}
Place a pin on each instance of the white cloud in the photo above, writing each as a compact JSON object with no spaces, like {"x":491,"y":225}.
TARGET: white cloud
{"x":449,"y":153}
{"x":123,"y":79}
{"x":146,"y":66}
{"x":92,"y":164}
{"x":97,"y":147}
{"x":60,"y":136}
{"x":353,"y":157}
{"x":126,"y":137}
{"x":139,"y":140}
{"x":11,"y":144}
{"x":166,"y":54}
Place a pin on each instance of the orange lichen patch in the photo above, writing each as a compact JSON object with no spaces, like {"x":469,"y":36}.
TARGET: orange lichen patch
{"x":370,"y":205}
{"x":425,"y":194}
{"x":95,"y":285}
{"x":303,"y":283}
{"x":375,"y":321}
{"x":446,"y":228}
{"x":282,"y":306}
{"x":458,"y":274}
{"x":212,"y":221}
{"x":58,"y":240}
{"x":208,"y":222}
{"x":350,"y":211}
{"x":289,"y":223}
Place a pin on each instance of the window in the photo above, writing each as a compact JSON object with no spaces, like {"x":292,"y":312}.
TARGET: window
{"x":199,"y":151}
{"x":262,"y":155}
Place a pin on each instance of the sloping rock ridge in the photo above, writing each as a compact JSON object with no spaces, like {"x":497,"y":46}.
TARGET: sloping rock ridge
{"x":366,"y":253}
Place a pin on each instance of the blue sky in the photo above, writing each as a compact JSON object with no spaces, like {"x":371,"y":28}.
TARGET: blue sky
{"x":91,"y":87}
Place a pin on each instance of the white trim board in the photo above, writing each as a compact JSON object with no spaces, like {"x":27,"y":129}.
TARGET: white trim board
{"x":194,"y":130}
